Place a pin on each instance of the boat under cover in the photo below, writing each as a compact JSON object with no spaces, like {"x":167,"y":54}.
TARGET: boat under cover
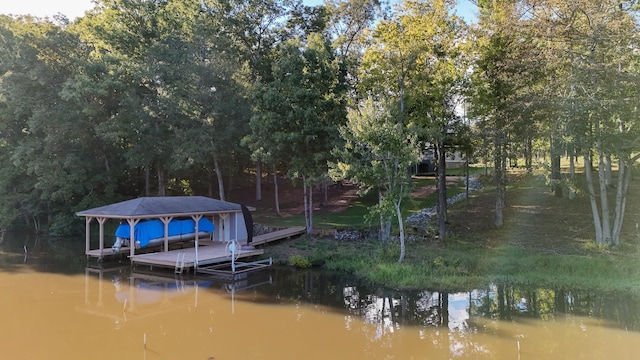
{"x":151,"y":232}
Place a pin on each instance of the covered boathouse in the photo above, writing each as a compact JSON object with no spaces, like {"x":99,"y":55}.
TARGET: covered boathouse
{"x":232,"y":227}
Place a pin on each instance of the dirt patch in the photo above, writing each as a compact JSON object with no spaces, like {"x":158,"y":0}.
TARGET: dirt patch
{"x":339,"y":197}
{"x":424,"y":191}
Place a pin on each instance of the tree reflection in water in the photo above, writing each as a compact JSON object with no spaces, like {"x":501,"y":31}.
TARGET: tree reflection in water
{"x":459,"y":311}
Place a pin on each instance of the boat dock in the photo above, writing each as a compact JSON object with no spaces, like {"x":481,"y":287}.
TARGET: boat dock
{"x":212,"y":253}
{"x":155,"y":222}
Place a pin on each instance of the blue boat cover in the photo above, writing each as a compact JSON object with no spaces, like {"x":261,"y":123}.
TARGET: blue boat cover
{"x":145,"y":231}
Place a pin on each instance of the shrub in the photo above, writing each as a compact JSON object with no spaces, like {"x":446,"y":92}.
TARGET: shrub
{"x":299,"y":262}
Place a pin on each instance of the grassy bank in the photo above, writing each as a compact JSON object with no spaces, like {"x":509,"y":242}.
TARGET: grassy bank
{"x":545,"y":242}
{"x":457,"y":266}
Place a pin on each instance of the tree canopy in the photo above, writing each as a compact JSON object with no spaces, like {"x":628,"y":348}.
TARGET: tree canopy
{"x":145,"y":97}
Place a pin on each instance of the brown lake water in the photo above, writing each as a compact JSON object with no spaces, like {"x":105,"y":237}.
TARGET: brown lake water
{"x":54,"y":306}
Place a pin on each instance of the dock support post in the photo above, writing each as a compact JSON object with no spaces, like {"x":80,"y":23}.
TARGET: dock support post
{"x":101,"y":221}
{"x":166,"y":220}
{"x":87,"y":224}
{"x":196,"y":219}
{"x":132,"y":239}
{"x":233,"y":245}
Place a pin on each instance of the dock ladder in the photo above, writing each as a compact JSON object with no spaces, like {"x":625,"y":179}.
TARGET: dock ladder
{"x":179,"y":263}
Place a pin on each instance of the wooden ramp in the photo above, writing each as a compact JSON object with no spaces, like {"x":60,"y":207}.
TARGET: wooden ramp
{"x":278,"y":235}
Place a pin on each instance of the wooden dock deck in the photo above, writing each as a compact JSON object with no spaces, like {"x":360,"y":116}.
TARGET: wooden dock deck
{"x":211,"y":252}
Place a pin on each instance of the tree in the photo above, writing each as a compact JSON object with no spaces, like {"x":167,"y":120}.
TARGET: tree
{"x":435,"y":89}
{"x":495,"y":83}
{"x":126,"y":37}
{"x":302,"y":110}
{"x":417,"y":58}
{"x":49,"y":136}
{"x":378,"y":149}
{"x":254,"y":28}
{"x":599,"y":39}
{"x":209,"y":108}
{"x":184,"y":108}
{"x":387,"y":63}
{"x":349,"y":21}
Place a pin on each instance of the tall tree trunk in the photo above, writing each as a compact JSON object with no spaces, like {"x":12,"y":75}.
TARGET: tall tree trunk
{"x":592,"y":196}
{"x":401,"y":226}
{"x":572,"y":171}
{"x":385,"y":225}
{"x":528,"y":155}
{"x":275,"y":189}
{"x":147,"y":181}
{"x":624,"y":177}
{"x":305,"y":204}
{"x":499,"y":178}
{"x":556,"y":176}
{"x":466,"y":175}
{"x":258,"y":180}
{"x":608,"y":171}
{"x":604,"y":199}
{"x":310,"y":228}
{"x":162,"y":185}
{"x":308,"y":205}
{"x":442,"y":190}
{"x":219,"y":177}
{"x":325,"y":191}
{"x":503,"y":174}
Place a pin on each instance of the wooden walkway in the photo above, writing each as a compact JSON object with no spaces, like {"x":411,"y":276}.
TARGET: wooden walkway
{"x":211,"y":252}
{"x":278,"y":235}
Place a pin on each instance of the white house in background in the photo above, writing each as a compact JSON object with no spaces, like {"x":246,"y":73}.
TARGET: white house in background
{"x":454,"y":160}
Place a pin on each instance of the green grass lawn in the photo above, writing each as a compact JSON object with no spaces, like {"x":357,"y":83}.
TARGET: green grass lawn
{"x":545,"y":241}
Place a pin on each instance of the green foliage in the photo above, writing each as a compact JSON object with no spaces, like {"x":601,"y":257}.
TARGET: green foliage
{"x":297,"y":113}
{"x":45,"y":134}
{"x":378,"y":149}
{"x":134,"y":90}
{"x":299,"y":262}
{"x":174,"y":97}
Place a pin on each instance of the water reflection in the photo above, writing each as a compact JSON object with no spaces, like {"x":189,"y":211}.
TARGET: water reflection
{"x":517,"y":317}
{"x":139,"y":293}
{"x":52,"y":310}
{"x":455,"y":311}
{"x":27,"y":250}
